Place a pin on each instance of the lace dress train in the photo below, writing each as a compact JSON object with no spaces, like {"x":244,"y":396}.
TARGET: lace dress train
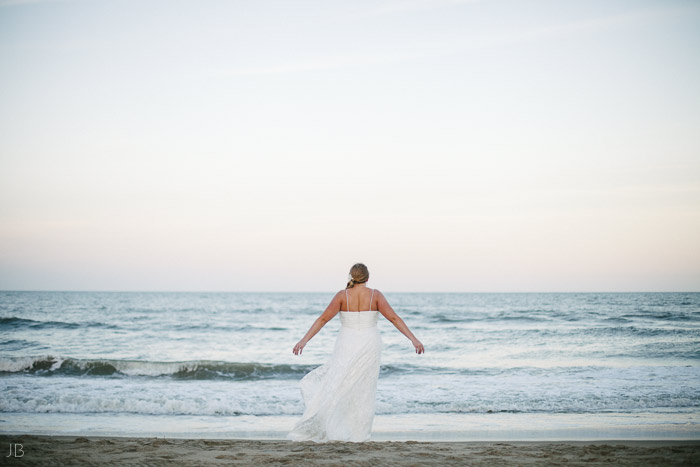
{"x":339,"y":396}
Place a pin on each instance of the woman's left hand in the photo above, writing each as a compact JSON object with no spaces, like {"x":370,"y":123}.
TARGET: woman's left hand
{"x":419,"y":346}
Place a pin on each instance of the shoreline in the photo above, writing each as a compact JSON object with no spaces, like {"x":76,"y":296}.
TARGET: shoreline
{"x":63,"y":449}
{"x":497,"y":427}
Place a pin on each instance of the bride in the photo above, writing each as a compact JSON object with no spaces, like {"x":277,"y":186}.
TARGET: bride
{"x":339,"y":395}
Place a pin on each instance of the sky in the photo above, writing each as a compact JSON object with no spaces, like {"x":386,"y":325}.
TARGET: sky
{"x":451,"y":146}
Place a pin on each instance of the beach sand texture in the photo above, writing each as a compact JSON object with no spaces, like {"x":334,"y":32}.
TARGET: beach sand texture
{"x":94,"y":450}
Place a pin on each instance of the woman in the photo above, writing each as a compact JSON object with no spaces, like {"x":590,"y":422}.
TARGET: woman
{"x":339,"y":395}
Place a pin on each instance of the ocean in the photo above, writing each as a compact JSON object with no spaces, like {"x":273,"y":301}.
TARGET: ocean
{"x":507,"y":366}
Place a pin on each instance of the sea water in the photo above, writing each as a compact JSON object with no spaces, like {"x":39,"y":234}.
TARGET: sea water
{"x":496,"y":366}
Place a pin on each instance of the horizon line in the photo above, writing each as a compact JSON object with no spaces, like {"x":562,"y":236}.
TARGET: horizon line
{"x":321,"y":291}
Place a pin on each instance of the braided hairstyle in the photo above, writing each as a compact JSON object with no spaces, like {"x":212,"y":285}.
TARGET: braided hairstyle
{"x":359,"y":274}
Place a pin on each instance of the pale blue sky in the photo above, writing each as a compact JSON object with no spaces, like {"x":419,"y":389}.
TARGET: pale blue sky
{"x":269,"y":145}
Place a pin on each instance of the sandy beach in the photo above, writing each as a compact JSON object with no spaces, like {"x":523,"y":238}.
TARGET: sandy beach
{"x":93,"y":450}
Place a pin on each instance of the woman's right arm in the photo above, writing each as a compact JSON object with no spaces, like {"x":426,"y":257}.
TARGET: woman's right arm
{"x":388,"y":312}
{"x":332,"y":310}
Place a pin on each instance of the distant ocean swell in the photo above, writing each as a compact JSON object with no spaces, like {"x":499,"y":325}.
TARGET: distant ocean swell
{"x":629,"y":325}
{"x":15,"y":322}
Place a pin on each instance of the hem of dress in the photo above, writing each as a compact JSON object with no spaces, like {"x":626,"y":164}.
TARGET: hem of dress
{"x":300,"y":438}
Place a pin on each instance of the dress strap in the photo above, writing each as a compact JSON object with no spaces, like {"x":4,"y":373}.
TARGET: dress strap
{"x":347,"y":302}
{"x":370,"y":300}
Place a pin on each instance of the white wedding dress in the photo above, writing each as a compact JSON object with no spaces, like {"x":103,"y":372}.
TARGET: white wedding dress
{"x":339,"y":396}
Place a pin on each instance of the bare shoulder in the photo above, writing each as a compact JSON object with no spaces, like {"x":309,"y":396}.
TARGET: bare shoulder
{"x":337,"y":299}
{"x":383,"y":306}
{"x":380,"y":296}
{"x":378,"y":293}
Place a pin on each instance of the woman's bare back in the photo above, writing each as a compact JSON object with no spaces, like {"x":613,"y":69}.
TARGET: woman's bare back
{"x":359,"y":299}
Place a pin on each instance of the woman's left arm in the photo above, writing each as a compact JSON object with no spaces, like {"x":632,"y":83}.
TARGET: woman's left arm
{"x":389,"y":313}
{"x":332,"y":310}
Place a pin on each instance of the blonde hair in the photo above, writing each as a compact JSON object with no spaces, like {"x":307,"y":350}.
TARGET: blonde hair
{"x":359,"y":275}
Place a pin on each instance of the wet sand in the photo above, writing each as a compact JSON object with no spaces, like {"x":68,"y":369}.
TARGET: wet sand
{"x":98,"y":450}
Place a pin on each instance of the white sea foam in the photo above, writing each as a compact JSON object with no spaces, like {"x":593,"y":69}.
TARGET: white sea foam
{"x":517,"y":392}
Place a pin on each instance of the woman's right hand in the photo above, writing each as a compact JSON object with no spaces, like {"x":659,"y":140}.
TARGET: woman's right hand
{"x":419,"y":347}
{"x":299,"y":347}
